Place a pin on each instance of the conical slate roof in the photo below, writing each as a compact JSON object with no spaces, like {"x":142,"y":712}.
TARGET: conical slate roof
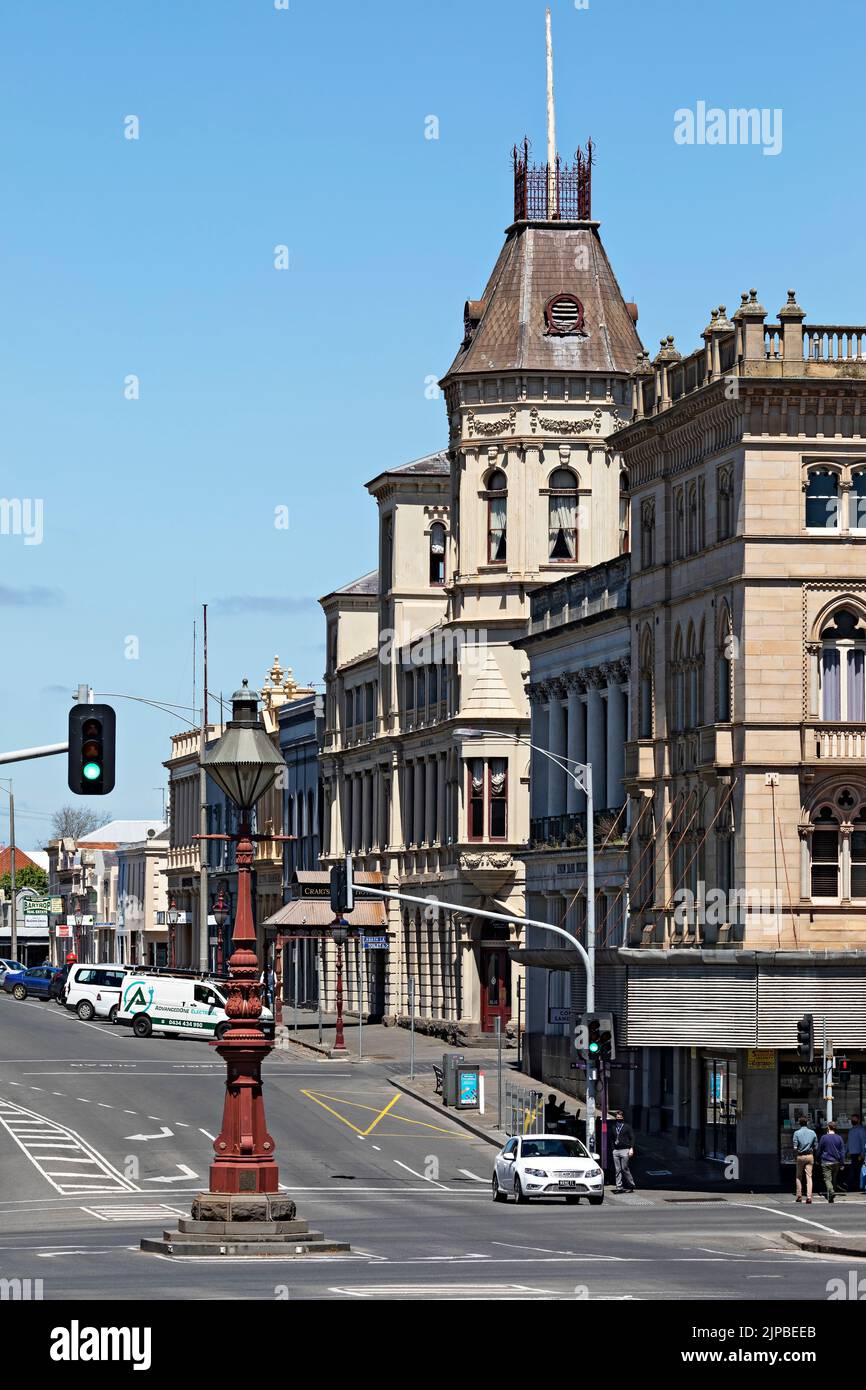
{"x":538,"y":262}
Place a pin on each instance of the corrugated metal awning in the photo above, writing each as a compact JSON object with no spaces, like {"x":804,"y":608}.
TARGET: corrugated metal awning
{"x":835,"y":995}
{"x":553,"y":959}
{"x":317,"y":912}
{"x":673,"y":1007}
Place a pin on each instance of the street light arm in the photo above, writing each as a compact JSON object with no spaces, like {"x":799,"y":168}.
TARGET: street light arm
{"x":560,"y":761}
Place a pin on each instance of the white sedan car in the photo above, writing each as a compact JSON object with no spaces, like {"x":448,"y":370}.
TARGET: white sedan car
{"x":547,"y":1165}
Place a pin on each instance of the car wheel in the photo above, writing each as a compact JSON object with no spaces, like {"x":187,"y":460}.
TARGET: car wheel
{"x":498,"y":1194}
{"x":85,"y":1011}
{"x":112,"y":1013}
{"x":220,"y":1031}
{"x":19,"y":992}
{"x":573,"y":1201}
{"x":142,"y":1026}
{"x":595,"y":1201}
{"x":519,"y":1193}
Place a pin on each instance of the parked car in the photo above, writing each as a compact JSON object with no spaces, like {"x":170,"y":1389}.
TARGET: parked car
{"x":6,"y":965}
{"x":35,"y":980}
{"x":547,"y":1165}
{"x":94,"y":990}
{"x":177,"y":1006}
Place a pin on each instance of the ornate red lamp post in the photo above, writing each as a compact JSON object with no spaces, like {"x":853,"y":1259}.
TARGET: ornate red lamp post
{"x":244,"y":764}
{"x":243,"y":1212}
{"x":339,"y":935}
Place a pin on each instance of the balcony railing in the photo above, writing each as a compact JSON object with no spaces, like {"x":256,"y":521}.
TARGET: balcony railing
{"x":568,"y":831}
{"x":834,"y":742}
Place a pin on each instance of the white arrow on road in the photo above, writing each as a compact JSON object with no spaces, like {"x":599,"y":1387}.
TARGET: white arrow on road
{"x":184,"y":1174}
{"x":165,"y":1133}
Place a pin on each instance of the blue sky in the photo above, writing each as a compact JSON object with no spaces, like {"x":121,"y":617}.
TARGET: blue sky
{"x":262,"y":388}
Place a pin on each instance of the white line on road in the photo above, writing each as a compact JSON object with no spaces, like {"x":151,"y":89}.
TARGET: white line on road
{"x":18,"y":1123}
{"x":785,"y":1216}
{"x":474,"y":1176}
{"x":207,"y":1134}
{"x":420,"y":1175}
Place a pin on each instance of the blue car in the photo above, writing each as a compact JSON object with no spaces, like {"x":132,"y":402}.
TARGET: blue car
{"x":36,"y":980}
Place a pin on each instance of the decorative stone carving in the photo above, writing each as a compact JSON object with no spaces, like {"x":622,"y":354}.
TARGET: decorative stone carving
{"x":489,"y":860}
{"x":488,"y":428}
{"x":560,"y":426}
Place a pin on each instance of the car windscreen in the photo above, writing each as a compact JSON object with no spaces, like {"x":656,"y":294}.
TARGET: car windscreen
{"x":553,"y":1148}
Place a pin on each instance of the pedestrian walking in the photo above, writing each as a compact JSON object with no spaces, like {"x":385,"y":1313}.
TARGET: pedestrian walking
{"x":831,"y":1156}
{"x":805,"y":1144}
{"x":856,"y":1144}
{"x":623,"y":1152}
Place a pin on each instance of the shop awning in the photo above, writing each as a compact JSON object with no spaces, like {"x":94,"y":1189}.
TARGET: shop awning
{"x":315,"y":913}
{"x":562,"y":958}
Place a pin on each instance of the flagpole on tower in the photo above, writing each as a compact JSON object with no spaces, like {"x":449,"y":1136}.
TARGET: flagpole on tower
{"x":552,"y":191}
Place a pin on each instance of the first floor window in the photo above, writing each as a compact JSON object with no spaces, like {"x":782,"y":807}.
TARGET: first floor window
{"x":822,"y":500}
{"x":497,"y":545}
{"x":498,"y":798}
{"x":858,"y":856}
{"x":476,"y":799}
{"x":437,"y":553}
{"x":825,"y":855}
{"x":562,"y":520}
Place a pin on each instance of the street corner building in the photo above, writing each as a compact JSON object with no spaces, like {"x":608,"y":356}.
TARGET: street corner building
{"x":424,"y":778}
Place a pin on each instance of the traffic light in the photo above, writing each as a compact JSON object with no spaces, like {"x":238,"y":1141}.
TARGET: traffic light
{"x":342,"y":893}
{"x":594,"y":1037}
{"x":91,"y":750}
{"x":607,"y":1046}
{"x":806,"y":1038}
{"x":593,"y":1041}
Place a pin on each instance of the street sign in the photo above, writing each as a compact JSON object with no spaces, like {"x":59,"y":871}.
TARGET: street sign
{"x":375,"y":943}
{"x":36,"y":907}
{"x":559,"y":1013}
{"x":56,"y":904}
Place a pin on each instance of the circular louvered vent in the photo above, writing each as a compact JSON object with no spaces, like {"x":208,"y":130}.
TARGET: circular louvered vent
{"x":564,"y":314}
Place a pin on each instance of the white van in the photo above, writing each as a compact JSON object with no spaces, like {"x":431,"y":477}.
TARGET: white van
{"x":94,"y":990}
{"x":177,"y":1007}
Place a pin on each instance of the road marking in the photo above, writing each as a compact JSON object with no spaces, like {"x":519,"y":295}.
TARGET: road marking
{"x":165,"y":1133}
{"x":185,"y":1174}
{"x":19,"y":1123}
{"x":538,"y":1249}
{"x":419,"y":1175}
{"x":320,"y":1098}
{"x":382,"y":1113}
{"x":474,"y":1176}
{"x":786,"y":1216}
{"x":207,"y":1134}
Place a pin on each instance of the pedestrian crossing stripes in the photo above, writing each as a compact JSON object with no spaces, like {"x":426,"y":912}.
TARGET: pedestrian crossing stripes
{"x":62,"y":1157}
{"x":153,"y":1214}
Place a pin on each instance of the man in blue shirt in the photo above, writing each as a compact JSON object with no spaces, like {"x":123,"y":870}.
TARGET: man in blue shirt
{"x":805,"y":1144}
{"x":856,"y":1150}
{"x":831,"y":1156}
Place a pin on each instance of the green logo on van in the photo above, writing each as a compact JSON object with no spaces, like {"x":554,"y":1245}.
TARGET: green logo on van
{"x":137,"y":999}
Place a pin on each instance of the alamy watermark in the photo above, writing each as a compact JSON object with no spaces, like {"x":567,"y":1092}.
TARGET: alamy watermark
{"x":22,"y":516}
{"x":740,"y":125}
{"x":719,"y":907}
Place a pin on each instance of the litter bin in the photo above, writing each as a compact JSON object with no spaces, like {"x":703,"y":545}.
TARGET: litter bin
{"x":450,"y":1062}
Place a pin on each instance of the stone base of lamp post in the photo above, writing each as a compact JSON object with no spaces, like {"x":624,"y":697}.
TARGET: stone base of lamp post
{"x":241,"y":1230}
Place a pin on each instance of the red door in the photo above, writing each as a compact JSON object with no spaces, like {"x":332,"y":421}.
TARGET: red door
{"x":495,"y":987}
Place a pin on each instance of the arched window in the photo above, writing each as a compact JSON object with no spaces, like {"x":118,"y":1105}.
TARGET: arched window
{"x":437,"y":553}
{"x":724,"y":669}
{"x":624,"y":513}
{"x":822,"y":500}
{"x":497,"y":508}
{"x":645,"y":692}
{"x":857,"y":501}
{"x":679,"y":684}
{"x":647,"y":533}
{"x":562,"y":516}
{"x":725,"y":504}
{"x":692,"y":518}
{"x":693,"y":712}
{"x":679,"y":524}
{"x":841,"y":668}
{"x":825,"y":854}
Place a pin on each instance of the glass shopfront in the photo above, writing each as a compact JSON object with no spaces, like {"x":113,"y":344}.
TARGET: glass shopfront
{"x":801,"y":1091}
{"x":720,"y":1106}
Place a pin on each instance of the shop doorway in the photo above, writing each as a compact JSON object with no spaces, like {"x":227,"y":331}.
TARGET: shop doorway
{"x":719,"y":1107}
{"x":495,"y":965}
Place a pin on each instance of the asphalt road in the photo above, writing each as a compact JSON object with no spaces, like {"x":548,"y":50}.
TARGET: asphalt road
{"x":105,"y":1138}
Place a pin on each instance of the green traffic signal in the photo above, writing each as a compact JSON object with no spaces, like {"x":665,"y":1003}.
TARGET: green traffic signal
{"x":593,"y":1047}
{"x":92,"y":771}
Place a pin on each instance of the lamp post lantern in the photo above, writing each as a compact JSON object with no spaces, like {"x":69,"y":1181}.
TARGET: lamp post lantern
{"x":172,"y":917}
{"x":221,"y":914}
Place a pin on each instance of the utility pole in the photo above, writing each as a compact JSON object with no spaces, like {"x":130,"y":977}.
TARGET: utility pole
{"x":14,"y":907}
{"x":203,"y":929}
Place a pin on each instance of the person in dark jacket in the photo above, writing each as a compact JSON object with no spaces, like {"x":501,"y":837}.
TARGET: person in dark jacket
{"x":831,"y":1156}
{"x":622,"y":1143}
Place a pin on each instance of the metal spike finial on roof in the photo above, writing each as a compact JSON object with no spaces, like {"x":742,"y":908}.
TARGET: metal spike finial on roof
{"x":552,"y":189}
